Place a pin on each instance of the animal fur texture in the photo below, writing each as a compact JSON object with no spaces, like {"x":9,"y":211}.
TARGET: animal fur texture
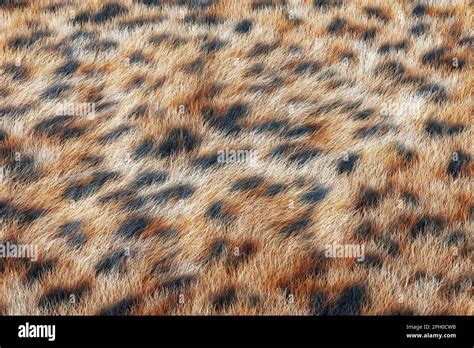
{"x":236,"y":157}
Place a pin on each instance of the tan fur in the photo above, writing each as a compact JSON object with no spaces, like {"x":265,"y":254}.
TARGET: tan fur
{"x":272,"y":247}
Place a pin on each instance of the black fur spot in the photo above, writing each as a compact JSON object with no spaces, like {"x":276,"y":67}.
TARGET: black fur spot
{"x":15,"y":4}
{"x":102,"y":46}
{"x":10,"y":212}
{"x":256,"y":69}
{"x":123,"y":307}
{"x":18,"y":73}
{"x":178,"y":140}
{"x":212,"y":46}
{"x":350,"y":301}
{"x":433,"y":91}
{"x":29,"y":215}
{"x":38,"y":270}
{"x":364,"y":114}
{"x":402,"y":312}
{"x":457,"y":163}
{"x":132,"y":227}
{"x":136,"y":23}
{"x":3,"y":135}
{"x":410,"y":198}
{"x":392,"y":69}
{"x":364,"y":230}
{"x":455,"y":238}
{"x":206,"y":161}
{"x":328,"y":107}
{"x":438,"y":128}
{"x":7,"y":210}
{"x":407,"y":154}
{"x":317,"y":193}
{"x":197,"y":4}
{"x":466,"y":41}
{"x":368,"y":198}
{"x":217,"y":211}
{"x":82,"y":17}
{"x":58,"y":296}
{"x":369,"y":131}
{"x":390,"y":246}
{"x":157,"y":40}
{"x":82,"y":190}
{"x":52,"y":126}
{"x":254,"y":300}
{"x":347,"y":164}
{"x":282,"y":149}
{"x":327,"y":4}
{"x":149,"y":178}
{"x":297,"y":226}
{"x":375,"y":12}
{"x":210,"y":20}
{"x":109,"y":11}
{"x":369,"y":34}
{"x":224,"y":299}
{"x":247,"y":184}
{"x":104,"y":106}
{"x":271,"y":126}
{"x":114,"y":134}
{"x":152,"y":3}
{"x":23,"y":169}
{"x":274,"y":189}
{"x":178,"y":283}
{"x":372,"y":261}
{"x":217,"y":249}
{"x":137,"y":82}
{"x":83,"y":35}
{"x":243,"y":26}
{"x":419,"y":29}
{"x":144,"y":149}
{"x":262,"y":4}
{"x":309,"y":67}
{"x":336,"y":26}
{"x":395,"y":47}
{"x":139,"y":111}
{"x":295,"y":49}
{"x":116,"y":196}
{"x":136,"y":57}
{"x":301,"y":131}
{"x":317,"y":303}
{"x":433,"y":56}
{"x":303,"y":156}
{"x":92,"y":160}
{"x":55,"y":91}
{"x":21,"y":42}
{"x":261,"y":49}
{"x":195,"y":66}
{"x":112,"y":262}
{"x":177,"y":192}
{"x":228,"y":123}
{"x":245,"y":251}
{"x":419,"y":11}
{"x":72,"y":231}
{"x":68,"y":68}
{"x":13,"y":111}
{"x":426,"y":224}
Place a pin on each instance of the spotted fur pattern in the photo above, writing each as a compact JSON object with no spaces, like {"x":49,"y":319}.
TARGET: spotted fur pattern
{"x":360,"y":116}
